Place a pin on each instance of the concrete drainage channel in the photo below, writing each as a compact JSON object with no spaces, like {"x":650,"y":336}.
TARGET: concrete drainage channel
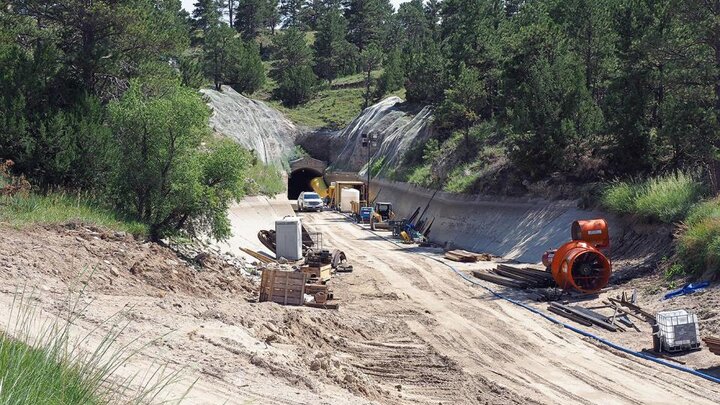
{"x":545,"y":316}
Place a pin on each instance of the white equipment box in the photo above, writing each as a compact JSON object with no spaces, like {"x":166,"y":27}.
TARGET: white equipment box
{"x":288,"y":238}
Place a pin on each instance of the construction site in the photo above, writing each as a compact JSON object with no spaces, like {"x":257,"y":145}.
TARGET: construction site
{"x":354,"y":289}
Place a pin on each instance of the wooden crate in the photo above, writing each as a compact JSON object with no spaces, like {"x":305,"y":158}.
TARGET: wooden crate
{"x":283,"y":287}
{"x":322,"y":272}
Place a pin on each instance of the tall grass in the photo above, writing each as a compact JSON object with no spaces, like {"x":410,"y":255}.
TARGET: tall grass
{"x":62,"y":207}
{"x":699,"y":239}
{"x":665,"y":199}
{"x":40,"y":363}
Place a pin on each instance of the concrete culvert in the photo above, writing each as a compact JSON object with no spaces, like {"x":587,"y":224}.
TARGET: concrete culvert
{"x":299,"y":181}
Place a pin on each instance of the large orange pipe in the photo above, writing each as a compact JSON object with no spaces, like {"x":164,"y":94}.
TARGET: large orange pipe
{"x":581,"y":266}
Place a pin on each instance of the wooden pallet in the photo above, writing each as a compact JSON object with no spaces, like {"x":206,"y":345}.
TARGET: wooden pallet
{"x":283,"y":287}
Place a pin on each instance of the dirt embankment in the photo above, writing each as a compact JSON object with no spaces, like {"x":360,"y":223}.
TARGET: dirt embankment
{"x":200,"y":315}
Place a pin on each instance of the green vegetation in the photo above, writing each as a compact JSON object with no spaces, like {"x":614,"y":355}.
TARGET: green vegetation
{"x":699,"y":240}
{"x":666,"y":198}
{"x":262,"y":179}
{"x":108,"y":115}
{"x":48,"y":367}
{"x":38,"y":376}
{"x":60,"y":208}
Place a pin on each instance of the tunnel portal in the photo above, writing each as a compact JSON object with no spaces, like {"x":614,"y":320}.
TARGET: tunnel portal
{"x":302,"y":171}
{"x":299,"y":181}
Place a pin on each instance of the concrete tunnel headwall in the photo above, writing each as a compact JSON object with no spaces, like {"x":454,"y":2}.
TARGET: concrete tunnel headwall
{"x":302,"y":171}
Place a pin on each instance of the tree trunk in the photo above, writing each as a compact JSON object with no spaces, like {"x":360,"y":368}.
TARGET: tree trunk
{"x":367,"y":88}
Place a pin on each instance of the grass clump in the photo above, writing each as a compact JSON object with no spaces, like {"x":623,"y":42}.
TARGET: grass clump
{"x":665,"y":199}
{"x":42,"y":364}
{"x":699,"y":239}
{"x":62,"y":207}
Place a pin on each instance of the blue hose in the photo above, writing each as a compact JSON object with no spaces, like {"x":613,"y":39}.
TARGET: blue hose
{"x":558,"y":322}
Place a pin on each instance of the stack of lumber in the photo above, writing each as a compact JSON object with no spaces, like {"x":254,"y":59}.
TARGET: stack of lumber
{"x":516,"y":276}
{"x":713,"y":344}
{"x":585,"y":316}
{"x":467,"y":257}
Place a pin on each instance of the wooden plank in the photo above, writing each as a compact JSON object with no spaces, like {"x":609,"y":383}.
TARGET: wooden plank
{"x":633,"y":307}
{"x":589,"y":317}
{"x":511,"y":275}
{"x":494,"y":278}
{"x":526,"y":272}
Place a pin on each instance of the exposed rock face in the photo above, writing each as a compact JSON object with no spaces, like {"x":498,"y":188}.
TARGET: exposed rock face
{"x":253,"y":124}
{"x":396,"y":126}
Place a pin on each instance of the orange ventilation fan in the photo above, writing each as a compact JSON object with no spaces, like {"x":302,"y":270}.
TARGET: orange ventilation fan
{"x":579,"y":264}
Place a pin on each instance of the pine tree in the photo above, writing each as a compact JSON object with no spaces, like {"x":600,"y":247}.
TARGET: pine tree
{"x":370,"y":58}
{"x":228,"y":60}
{"x":393,"y":76}
{"x":290,"y":12}
{"x":253,"y":15}
{"x":293,"y":68}
{"x":368,"y":21}
{"x":206,"y":13}
{"x":334,"y":55}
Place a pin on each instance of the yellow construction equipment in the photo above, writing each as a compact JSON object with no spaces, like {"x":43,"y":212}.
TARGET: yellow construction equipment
{"x":381,"y":216}
{"x":318,"y":185}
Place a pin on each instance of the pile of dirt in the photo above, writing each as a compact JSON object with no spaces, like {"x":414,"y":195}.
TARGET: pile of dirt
{"x":115,"y":263}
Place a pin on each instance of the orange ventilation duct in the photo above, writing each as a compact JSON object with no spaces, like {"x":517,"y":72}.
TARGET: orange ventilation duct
{"x":579,"y":264}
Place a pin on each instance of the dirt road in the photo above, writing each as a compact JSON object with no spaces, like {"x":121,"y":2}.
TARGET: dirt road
{"x":409,"y":331}
{"x":485,"y":343}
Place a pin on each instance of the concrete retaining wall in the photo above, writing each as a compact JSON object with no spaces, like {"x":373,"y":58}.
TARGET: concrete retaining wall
{"x":520,"y":229}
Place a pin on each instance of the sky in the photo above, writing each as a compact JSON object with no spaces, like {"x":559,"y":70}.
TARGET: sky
{"x":188,"y":4}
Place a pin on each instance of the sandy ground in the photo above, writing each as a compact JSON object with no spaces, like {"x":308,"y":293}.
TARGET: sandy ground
{"x":409,"y":331}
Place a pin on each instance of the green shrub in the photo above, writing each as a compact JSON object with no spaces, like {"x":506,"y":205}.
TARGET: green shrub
{"x":699,"y":240}
{"x":461,"y":179}
{"x":620,"y":197}
{"x":665,"y":199}
{"x":668,"y":198}
{"x":421,"y":176}
{"x":674,"y":271}
{"x":262,"y":179}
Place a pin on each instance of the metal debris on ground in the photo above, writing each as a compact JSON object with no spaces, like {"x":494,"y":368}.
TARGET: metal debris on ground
{"x":713,"y":344}
{"x":585,"y":316}
{"x":467,"y":257}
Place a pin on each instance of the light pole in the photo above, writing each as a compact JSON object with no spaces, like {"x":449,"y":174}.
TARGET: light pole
{"x":368,"y":141}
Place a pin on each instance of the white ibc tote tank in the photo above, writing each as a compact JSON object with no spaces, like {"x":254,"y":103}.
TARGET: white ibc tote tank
{"x":347,"y":195}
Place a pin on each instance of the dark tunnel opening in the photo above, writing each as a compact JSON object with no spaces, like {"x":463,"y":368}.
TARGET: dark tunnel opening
{"x":299,"y":181}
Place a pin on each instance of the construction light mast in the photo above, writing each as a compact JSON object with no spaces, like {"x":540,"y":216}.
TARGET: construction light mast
{"x":368,"y":141}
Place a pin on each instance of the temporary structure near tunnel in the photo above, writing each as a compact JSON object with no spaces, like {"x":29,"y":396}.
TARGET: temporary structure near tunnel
{"x":579,"y":264}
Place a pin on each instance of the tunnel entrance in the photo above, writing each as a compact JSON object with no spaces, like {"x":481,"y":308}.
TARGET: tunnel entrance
{"x":299,"y":181}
